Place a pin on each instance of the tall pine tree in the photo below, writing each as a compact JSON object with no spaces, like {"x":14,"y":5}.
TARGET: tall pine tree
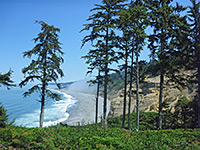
{"x":134,"y":22}
{"x":167,"y":24}
{"x":102,"y":26}
{"x":5,"y":79}
{"x":45,"y":65}
{"x":194,"y":18}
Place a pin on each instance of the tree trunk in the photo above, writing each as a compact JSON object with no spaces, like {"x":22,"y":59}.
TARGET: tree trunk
{"x":161,"y":80}
{"x":160,"y":99}
{"x":198,"y":91}
{"x":105,"y":96}
{"x":130,"y":91}
{"x":97,"y":98}
{"x":42,"y":105}
{"x":43,"y":88}
{"x":137,"y":90}
{"x":106,"y":78}
{"x":125,"y":86}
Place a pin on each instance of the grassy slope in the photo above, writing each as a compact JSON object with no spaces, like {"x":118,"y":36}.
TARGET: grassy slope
{"x":90,"y":137}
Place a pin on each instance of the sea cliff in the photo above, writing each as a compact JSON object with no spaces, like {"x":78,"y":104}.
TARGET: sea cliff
{"x":149,"y":96}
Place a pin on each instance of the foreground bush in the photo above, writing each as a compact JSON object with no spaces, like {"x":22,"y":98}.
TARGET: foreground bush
{"x":3,"y":116}
{"x":148,"y":121}
{"x":90,"y":137}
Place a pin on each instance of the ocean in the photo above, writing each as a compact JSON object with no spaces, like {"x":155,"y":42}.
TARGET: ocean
{"x":26,"y":111}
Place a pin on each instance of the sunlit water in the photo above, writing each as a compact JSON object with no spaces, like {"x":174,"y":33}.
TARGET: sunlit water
{"x":26,"y":111}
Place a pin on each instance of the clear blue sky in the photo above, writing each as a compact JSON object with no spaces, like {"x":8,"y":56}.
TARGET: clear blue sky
{"x":18,"y":28}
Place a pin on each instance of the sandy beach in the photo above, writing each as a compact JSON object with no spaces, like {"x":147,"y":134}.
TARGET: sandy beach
{"x":84,"y":113}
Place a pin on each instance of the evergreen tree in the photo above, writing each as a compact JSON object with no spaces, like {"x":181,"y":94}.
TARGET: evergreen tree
{"x":102,"y":27}
{"x":3,"y":116}
{"x":130,"y":89}
{"x":134,"y":21}
{"x":5,"y":79}
{"x":124,"y":45}
{"x":167,"y":24}
{"x":194,"y":63}
{"x":46,"y":66}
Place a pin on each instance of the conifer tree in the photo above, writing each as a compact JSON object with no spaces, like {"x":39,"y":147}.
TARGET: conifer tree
{"x":134,"y":21}
{"x":194,"y":63}
{"x":45,"y":65}
{"x":3,"y":116}
{"x":5,"y":80}
{"x":167,"y":27}
{"x":124,"y":44}
{"x":102,"y":25}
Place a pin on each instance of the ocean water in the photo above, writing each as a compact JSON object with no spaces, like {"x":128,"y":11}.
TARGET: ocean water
{"x":26,"y":111}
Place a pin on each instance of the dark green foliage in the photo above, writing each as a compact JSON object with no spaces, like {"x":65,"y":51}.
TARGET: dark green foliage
{"x":45,"y":68}
{"x":102,"y":25}
{"x":168,"y":30}
{"x":3,"y":116}
{"x":147,"y":121}
{"x":185,"y":114}
{"x":194,"y":37}
{"x":5,"y":79}
{"x":133,"y":22}
{"x":90,"y":137}
{"x":193,"y":63}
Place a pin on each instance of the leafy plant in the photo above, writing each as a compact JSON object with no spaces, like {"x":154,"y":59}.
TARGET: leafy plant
{"x":90,"y":137}
{"x":4,"y":117}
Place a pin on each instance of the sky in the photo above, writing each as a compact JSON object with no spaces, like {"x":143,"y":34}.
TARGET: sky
{"x":18,"y":28}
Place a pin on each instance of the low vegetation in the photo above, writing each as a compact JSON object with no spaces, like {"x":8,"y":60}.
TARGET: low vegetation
{"x":95,"y":136}
{"x":90,"y":137}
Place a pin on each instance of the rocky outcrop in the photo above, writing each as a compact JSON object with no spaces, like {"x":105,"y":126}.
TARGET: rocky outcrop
{"x":149,"y":96}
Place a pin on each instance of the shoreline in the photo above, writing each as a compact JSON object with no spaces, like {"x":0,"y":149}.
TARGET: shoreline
{"x":84,"y":113}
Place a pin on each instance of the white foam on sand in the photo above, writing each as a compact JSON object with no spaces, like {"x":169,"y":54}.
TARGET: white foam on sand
{"x":54,"y":114}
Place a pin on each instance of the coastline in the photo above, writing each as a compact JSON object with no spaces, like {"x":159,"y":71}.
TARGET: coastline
{"x":84,"y":113}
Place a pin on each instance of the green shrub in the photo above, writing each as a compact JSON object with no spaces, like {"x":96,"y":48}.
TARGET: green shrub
{"x":148,"y":121}
{"x":3,"y":116}
{"x":90,"y":137}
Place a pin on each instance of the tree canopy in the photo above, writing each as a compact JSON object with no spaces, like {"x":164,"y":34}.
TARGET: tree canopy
{"x":45,"y":65}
